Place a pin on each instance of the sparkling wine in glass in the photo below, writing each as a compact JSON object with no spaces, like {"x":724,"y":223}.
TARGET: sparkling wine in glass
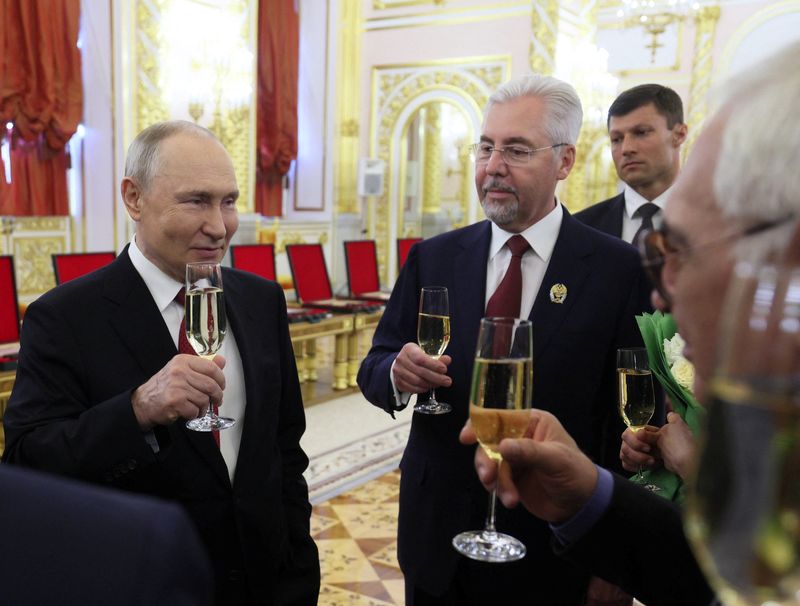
{"x":433,"y":336}
{"x":500,"y":400}
{"x":636,"y":398}
{"x":206,"y":325}
{"x":743,"y":502}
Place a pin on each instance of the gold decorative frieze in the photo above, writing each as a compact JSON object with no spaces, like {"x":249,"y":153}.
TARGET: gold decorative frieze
{"x":398,"y":91}
{"x":544,"y":33}
{"x":705,"y":28}
{"x":34,"y":264}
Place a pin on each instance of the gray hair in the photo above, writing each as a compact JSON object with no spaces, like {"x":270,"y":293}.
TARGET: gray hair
{"x":564,"y":111}
{"x":143,"y":158}
{"x":757,"y":175}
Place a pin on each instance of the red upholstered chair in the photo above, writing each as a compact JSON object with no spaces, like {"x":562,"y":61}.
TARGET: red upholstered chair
{"x":312,"y":284}
{"x":403,"y":246}
{"x":361,"y":262}
{"x":255,"y":258}
{"x":9,"y":308}
{"x":68,"y":266}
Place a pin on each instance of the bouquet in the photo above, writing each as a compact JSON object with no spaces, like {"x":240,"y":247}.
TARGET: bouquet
{"x":676,"y":375}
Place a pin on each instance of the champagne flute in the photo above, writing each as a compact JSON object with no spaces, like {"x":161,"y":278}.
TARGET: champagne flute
{"x":743,"y":514}
{"x":500,"y":400}
{"x":206,"y":324}
{"x":433,"y":336}
{"x":635,"y":396}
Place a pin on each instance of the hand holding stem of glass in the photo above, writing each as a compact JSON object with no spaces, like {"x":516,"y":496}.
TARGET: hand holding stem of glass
{"x":433,"y":336}
{"x":500,"y":400}
{"x":636,"y":398}
{"x":206,"y":324}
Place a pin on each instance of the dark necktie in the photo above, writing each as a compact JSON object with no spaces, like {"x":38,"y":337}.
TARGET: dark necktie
{"x":506,"y":300}
{"x":185,"y":347}
{"x":646,"y":212}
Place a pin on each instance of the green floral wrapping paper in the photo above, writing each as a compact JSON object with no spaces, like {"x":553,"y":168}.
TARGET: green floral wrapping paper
{"x":676,"y":374}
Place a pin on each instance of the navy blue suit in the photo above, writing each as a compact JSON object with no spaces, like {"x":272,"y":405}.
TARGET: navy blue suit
{"x":605,"y":216}
{"x":639,"y":538}
{"x":87,"y":344}
{"x":574,"y":377}
{"x":68,"y":543}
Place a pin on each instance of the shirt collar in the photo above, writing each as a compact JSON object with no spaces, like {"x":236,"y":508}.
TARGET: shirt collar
{"x":633,"y":200}
{"x":162,"y":287}
{"x":542,"y":235}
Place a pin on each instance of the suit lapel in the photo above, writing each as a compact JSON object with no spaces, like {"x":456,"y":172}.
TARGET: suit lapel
{"x":613,"y":219}
{"x":568,"y":266}
{"x":471,"y":285}
{"x":141,"y":329}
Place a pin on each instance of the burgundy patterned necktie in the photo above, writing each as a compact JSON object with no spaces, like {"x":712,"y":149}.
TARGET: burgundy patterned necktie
{"x":506,"y":300}
{"x":185,"y":347}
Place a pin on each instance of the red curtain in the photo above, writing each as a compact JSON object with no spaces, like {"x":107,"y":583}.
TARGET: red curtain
{"x":276,"y":101}
{"x":41,"y":93}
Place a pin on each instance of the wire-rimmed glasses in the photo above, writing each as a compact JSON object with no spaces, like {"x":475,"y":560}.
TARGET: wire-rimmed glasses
{"x":513,"y":155}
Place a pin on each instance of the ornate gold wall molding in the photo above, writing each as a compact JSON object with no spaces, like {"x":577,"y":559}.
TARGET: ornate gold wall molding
{"x":432,"y":188}
{"x":397,"y":91}
{"x":346,"y":125}
{"x":705,"y":28}
{"x":233,"y":125}
{"x":32,"y":242}
{"x":544,"y":33}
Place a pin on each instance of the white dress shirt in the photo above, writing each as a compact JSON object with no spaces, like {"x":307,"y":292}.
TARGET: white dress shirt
{"x":163,"y":290}
{"x":633,"y":200}
{"x":542,"y":237}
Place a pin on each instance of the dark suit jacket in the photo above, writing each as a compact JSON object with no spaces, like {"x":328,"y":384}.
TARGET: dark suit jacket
{"x":89,"y":343}
{"x":605,"y":216}
{"x":67,"y":543}
{"x":574,"y":377}
{"x":639,"y":545}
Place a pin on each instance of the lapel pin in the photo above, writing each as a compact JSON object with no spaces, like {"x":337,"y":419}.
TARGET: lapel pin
{"x":558,"y":292}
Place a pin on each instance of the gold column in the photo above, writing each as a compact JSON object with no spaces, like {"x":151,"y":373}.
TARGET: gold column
{"x":705,"y":27}
{"x":150,"y":106}
{"x":432,"y":161}
{"x":348,"y":64}
{"x":544,"y":31}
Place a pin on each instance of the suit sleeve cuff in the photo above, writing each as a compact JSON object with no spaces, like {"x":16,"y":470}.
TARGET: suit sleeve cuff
{"x":401,"y":398}
{"x":582,"y":522}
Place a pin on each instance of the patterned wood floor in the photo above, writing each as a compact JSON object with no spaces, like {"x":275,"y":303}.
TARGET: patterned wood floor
{"x":356,"y":535}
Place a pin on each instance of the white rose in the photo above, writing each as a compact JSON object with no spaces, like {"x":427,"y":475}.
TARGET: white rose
{"x":673,"y":348}
{"x":683,"y":371}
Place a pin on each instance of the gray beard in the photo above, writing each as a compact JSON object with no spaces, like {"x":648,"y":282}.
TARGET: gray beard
{"x":500,"y":214}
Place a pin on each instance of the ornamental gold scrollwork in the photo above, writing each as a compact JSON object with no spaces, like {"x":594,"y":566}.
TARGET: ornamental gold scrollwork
{"x":396,"y":88}
{"x":34,"y":265}
{"x":702,"y":64}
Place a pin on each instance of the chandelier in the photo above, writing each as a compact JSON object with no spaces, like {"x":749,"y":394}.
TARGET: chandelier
{"x":655,"y":16}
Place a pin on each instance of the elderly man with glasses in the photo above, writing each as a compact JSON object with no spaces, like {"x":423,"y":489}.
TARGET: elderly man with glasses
{"x":737,"y":197}
{"x":580,"y":288}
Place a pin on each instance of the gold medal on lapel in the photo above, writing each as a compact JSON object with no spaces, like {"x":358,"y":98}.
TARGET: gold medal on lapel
{"x":558,"y":292}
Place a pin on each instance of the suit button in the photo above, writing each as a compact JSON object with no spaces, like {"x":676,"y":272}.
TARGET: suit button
{"x":132,"y":464}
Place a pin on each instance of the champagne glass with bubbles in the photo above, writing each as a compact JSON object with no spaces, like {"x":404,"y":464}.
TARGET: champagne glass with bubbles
{"x":206,"y":324}
{"x":635,"y":396}
{"x":433,"y":336}
{"x":743,"y":503}
{"x":499,"y":405}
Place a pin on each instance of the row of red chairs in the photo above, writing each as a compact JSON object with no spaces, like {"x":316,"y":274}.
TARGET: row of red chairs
{"x":306,"y":261}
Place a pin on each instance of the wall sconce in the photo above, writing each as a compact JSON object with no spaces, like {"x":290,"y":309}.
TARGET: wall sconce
{"x":655,"y":16}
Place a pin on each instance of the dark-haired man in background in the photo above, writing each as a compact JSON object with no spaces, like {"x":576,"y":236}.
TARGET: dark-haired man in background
{"x":646,"y":129}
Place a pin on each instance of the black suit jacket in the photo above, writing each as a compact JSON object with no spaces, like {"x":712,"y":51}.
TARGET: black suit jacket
{"x":67,"y":543}
{"x":605,"y":216}
{"x":86,"y":345}
{"x":574,"y":377}
{"x":639,"y":545}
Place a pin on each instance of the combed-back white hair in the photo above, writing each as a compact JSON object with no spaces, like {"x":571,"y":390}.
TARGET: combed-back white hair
{"x":564,"y":111}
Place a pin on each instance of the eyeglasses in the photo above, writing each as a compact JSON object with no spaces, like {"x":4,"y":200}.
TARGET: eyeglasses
{"x":657,"y":246}
{"x":513,"y":155}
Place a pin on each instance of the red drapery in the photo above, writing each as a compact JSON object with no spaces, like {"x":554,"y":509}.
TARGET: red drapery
{"x":276,"y":101}
{"x":41,"y":92}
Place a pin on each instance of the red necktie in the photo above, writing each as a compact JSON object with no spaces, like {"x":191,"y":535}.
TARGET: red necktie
{"x":185,"y":347}
{"x":506,"y":300}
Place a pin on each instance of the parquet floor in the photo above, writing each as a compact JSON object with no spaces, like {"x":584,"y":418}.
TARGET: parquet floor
{"x":356,"y":536}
